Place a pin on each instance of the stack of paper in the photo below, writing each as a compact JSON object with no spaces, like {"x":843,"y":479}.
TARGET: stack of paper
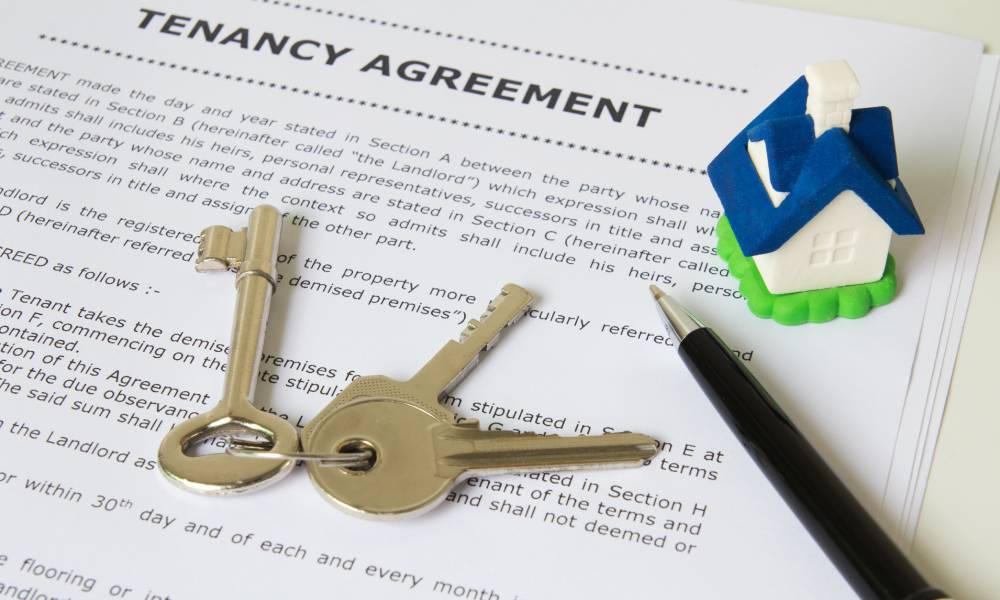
{"x":948,"y":303}
{"x":425,"y":156}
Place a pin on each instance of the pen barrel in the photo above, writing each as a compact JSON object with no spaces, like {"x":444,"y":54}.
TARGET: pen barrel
{"x":859,"y":548}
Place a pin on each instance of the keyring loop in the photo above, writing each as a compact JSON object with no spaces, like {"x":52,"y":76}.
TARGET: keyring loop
{"x":252,"y":449}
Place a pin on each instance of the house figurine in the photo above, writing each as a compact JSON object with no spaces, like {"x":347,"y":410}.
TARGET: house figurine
{"x":812,"y":196}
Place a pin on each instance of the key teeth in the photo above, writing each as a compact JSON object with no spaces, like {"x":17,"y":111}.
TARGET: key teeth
{"x":220,"y":249}
{"x":493,"y":305}
{"x":496,"y":301}
{"x":469,"y":329}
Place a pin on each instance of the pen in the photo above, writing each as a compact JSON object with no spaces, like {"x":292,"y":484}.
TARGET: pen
{"x":862,"y":552}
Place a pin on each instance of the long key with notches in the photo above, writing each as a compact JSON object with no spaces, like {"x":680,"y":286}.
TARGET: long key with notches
{"x":252,"y":250}
{"x":418,"y":450}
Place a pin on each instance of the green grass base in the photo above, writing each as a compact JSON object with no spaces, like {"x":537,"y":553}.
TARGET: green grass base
{"x":813,"y":306}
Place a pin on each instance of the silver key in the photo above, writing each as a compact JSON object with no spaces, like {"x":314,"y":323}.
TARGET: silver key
{"x":253,"y":251}
{"x":419,"y":452}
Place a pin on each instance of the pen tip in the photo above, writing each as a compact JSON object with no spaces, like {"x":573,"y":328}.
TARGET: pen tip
{"x":676,"y":318}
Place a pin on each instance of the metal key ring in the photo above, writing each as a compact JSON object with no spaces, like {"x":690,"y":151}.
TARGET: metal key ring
{"x":347,"y":460}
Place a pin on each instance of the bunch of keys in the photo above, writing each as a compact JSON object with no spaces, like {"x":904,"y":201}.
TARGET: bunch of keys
{"x":386,"y":448}
{"x":419,"y":450}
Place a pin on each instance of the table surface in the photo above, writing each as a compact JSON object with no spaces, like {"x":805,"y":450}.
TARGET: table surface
{"x":958,"y":538}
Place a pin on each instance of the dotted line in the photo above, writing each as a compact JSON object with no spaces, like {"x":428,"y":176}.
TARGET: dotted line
{"x":512,"y":47}
{"x":261,"y":83}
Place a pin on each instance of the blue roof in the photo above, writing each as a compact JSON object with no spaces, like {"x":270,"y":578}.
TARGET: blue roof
{"x":812,"y":170}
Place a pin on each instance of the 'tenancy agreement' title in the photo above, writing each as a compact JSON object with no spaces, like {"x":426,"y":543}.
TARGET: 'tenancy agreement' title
{"x":500,"y":88}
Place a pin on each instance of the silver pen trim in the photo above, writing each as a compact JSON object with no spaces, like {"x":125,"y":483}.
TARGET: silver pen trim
{"x":676,"y":318}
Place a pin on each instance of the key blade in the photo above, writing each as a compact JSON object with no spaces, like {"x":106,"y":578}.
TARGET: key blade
{"x":457,"y":358}
{"x":476,"y":451}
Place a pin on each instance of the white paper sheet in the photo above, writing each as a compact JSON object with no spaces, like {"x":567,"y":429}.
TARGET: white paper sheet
{"x":580,"y":358}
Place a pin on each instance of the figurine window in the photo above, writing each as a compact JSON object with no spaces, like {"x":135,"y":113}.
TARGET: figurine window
{"x":833,"y":247}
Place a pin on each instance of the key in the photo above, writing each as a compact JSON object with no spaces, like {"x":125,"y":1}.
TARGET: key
{"x":418,"y":452}
{"x":418,"y":458}
{"x":253,"y":251}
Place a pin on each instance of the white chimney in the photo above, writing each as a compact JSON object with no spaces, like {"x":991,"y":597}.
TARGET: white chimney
{"x":833,"y":86}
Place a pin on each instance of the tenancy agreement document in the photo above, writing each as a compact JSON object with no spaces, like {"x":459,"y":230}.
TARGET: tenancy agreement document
{"x":424,"y":155}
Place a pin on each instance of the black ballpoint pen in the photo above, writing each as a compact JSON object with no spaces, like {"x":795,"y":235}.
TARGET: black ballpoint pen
{"x":862,"y":552}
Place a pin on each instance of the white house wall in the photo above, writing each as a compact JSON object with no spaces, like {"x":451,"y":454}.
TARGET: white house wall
{"x":846,"y":243}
